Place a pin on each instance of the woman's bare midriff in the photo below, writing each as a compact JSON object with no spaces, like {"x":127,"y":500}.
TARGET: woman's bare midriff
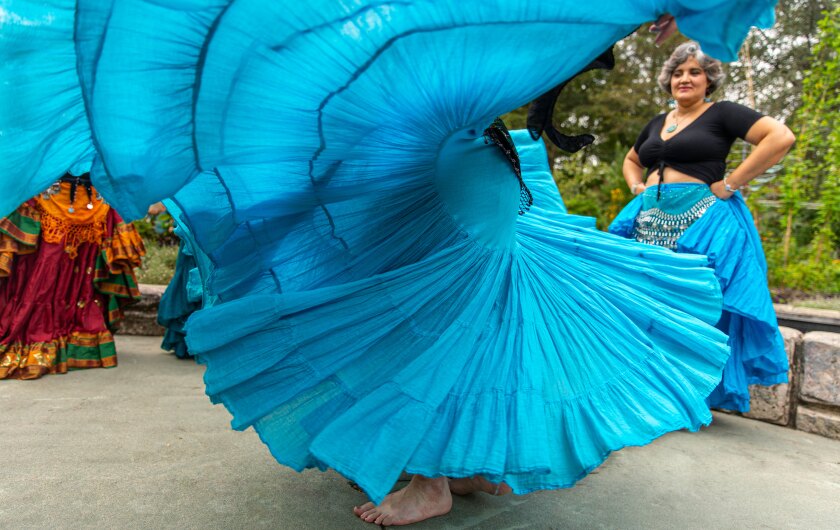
{"x":671,"y":176}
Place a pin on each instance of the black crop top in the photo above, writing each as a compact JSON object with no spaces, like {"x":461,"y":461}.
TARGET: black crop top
{"x":700,"y":149}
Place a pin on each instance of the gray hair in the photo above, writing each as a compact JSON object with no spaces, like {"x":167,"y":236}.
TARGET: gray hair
{"x":712,"y":67}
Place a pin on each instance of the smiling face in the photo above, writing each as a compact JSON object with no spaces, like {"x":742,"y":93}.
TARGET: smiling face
{"x":689,"y":82}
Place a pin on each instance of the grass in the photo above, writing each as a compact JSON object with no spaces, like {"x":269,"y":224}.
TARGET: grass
{"x":820,"y":302}
{"x":158,"y":263}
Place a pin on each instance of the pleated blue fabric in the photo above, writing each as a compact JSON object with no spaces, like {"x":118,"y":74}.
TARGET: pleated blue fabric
{"x":185,"y":293}
{"x":198,"y":267}
{"x":524,"y":352}
{"x":178,"y":302}
{"x":727,"y":235}
{"x":378,"y":303}
{"x":44,"y":129}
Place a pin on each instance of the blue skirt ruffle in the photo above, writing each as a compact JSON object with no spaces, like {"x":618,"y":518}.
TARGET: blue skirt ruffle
{"x":178,"y":302}
{"x":727,"y":235}
{"x":185,"y":293}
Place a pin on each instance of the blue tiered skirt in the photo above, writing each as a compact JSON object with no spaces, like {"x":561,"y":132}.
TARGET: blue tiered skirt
{"x":379,"y":303}
{"x":523,"y":348}
{"x":185,"y":293}
{"x":691,"y":220}
{"x":181,"y":298}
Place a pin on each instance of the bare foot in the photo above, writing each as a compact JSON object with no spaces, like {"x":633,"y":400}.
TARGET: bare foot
{"x":465,"y":486}
{"x":422,"y":499}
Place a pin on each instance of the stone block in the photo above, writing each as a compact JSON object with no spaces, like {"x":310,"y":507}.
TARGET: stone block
{"x":773,"y":403}
{"x":808,"y":319}
{"x":141,"y":317}
{"x":823,"y":422}
{"x":821,"y":368}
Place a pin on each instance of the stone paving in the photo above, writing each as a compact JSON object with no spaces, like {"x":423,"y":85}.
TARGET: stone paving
{"x":140,"y":446}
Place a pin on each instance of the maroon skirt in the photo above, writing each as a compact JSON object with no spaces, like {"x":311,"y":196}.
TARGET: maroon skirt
{"x":64,"y":278}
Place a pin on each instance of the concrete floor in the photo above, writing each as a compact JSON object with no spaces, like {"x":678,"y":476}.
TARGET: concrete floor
{"x":140,"y":446}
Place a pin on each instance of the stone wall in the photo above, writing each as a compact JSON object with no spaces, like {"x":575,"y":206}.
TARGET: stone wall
{"x":810,"y":401}
{"x":818,"y":410}
{"x":773,"y":403}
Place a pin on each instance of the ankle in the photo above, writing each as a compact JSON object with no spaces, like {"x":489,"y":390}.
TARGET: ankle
{"x":438,"y":484}
{"x":431,"y":482}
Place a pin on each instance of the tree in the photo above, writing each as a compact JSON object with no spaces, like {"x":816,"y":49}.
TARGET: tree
{"x":810,"y":256}
{"x":777,"y":59}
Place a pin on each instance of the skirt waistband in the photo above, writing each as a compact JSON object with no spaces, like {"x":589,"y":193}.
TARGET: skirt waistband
{"x":666,"y":214}
{"x":675,"y":185}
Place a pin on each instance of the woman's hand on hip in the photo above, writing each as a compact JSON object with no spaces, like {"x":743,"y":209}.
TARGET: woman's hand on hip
{"x":719,"y":189}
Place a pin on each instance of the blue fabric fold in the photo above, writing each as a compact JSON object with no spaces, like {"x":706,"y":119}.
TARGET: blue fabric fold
{"x":44,"y":130}
{"x":727,"y":235}
{"x":178,"y":302}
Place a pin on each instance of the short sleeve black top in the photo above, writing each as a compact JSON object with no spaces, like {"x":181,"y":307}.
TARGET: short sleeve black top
{"x":700,"y":149}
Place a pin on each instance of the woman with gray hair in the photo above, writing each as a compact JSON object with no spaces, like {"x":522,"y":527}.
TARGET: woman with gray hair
{"x":686,"y":201}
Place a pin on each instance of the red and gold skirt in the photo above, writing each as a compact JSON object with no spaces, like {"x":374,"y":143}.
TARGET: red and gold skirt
{"x":66,"y":272}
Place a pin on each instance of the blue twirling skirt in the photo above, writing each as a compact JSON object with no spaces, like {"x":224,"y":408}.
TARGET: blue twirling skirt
{"x":688,"y":218}
{"x":381,"y":305}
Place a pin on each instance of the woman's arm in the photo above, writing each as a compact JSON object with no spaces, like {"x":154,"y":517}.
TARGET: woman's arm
{"x":772,"y":140}
{"x":634,"y":172}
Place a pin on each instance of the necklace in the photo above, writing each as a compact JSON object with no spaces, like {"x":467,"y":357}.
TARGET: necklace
{"x":673,"y":126}
{"x":677,"y":118}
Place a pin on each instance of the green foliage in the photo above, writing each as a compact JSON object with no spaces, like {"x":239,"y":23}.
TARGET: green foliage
{"x":808,"y":276}
{"x":145,"y":229}
{"x":161,"y":249}
{"x":158,"y":263}
{"x":157,"y":228}
{"x":802,"y":238}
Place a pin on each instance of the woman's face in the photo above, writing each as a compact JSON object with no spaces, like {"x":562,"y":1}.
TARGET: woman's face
{"x":689,"y":82}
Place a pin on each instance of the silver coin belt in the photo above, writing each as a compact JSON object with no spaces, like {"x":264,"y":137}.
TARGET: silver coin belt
{"x":656,"y":227}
